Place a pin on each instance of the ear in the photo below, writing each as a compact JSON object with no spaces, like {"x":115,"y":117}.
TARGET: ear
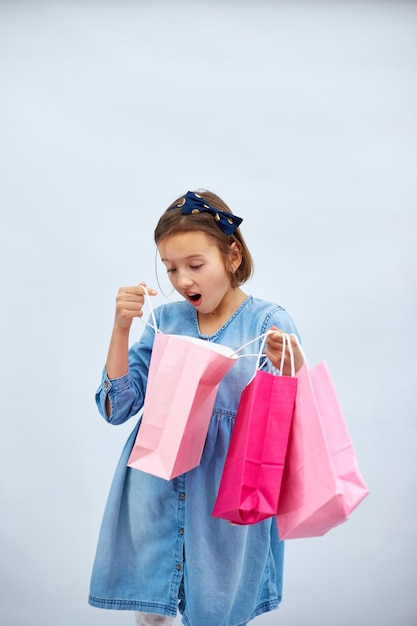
{"x":235,"y":256}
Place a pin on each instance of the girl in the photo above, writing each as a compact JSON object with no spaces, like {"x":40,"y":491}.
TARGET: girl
{"x":160,"y":549}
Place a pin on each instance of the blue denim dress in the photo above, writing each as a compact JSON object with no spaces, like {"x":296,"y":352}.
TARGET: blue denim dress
{"x":159,"y":548}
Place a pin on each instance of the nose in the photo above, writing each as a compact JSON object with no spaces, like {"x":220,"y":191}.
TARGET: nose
{"x":184,"y":279}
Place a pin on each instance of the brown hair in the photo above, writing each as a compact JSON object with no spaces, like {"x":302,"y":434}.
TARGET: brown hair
{"x":174,"y":221}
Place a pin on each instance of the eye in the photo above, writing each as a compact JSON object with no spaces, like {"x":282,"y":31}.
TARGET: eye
{"x":170,"y":270}
{"x":196,"y":267}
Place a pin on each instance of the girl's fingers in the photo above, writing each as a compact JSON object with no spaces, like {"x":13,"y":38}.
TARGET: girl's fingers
{"x":150,"y":291}
{"x":130,"y":301}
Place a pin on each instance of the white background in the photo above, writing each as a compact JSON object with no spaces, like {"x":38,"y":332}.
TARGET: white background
{"x":302,"y":116}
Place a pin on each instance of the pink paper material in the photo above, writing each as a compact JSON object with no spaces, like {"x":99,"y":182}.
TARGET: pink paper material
{"x":184,"y":375}
{"x":322,"y":483}
{"x":250,"y":483}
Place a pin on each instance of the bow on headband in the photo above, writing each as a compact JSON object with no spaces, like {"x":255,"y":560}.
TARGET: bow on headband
{"x":194,"y":203}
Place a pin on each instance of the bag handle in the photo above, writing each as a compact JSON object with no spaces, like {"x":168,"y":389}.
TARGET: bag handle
{"x":285,"y":340}
{"x":261,"y":349}
{"x":148,"y":300}
{"x":248,"y":344}
{"x":154,"y":327}
{"x":300,"y":348}
{"x":291,"y":351}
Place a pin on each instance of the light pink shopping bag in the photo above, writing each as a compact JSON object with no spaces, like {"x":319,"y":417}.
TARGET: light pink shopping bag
{"x":184,"y":375}
{"x":322,"y":483}
{"x":251,"y":478}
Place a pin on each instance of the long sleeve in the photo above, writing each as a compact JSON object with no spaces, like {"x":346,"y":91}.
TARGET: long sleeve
{"x":126,"y":394}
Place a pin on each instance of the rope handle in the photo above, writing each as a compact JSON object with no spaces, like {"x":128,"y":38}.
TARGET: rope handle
{"x":148,"y":300}
{"x":257,"y":354}
{"x":154,"y":326}
{"x":300,"y":349}
{"x":285,"y":339}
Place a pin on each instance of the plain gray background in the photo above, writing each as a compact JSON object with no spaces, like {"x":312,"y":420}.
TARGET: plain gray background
{"x":302,"y":116}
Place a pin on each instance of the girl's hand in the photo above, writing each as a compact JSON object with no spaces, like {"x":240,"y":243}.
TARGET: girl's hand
{"x":273,"y":350}
{"x":129,"y":303}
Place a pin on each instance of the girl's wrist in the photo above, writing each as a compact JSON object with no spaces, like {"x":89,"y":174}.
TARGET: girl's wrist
{"x":121,"y":330}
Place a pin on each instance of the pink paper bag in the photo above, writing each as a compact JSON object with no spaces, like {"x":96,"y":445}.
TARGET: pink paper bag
{"x":252,"y":474}
{"x":184,"y":374}
{"x":322,"y":483}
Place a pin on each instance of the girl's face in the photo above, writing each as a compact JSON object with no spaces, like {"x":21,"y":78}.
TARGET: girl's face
{"x":197,"y":269}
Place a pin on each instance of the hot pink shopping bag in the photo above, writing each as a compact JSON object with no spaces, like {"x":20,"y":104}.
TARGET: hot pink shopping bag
{"x":322,"y":483}
{"x":184,"y":375}
{"x":251,"y":478}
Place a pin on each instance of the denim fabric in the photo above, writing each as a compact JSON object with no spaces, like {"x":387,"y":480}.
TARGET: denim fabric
{"x":159,"y":548}
{"x":150,"y":619}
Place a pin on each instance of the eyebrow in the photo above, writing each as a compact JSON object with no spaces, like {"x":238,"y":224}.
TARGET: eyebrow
{"x":190,"y":256}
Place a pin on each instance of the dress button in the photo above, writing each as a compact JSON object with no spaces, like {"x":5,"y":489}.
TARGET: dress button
{"x":179,"y":566}
{"x":182,"y":496}
{"x":181,"y":531}
{"x":106,"y":384}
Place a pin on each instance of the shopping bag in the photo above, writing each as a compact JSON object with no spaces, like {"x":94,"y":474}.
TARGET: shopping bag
{"x":322,"y":483}
{"x":184,"y":374}
{"x":252,"y":473}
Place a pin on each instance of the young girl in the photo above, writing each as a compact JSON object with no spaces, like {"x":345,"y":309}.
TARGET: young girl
{"x":160,"y":549}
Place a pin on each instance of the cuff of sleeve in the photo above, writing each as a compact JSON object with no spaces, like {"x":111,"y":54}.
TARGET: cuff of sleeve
{"x":109,"y":389}
{"x":117,"y":384}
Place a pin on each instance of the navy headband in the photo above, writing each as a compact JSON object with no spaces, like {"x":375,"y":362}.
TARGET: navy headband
{"x":194,"y":203}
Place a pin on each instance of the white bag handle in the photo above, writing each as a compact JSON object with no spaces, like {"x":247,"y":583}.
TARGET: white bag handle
{"x":156,"y":329}
{"x":300,"y":348}
{"x":291,"y":351}
{"x":285,"y":340}
{"x":258,"y":354}
{"x":148,"y":299}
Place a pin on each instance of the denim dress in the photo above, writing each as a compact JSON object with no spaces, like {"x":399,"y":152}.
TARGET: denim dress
{"x":160,"y":549}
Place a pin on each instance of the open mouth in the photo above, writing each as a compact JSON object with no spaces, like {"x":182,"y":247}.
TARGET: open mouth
{"x":195,"y":297}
